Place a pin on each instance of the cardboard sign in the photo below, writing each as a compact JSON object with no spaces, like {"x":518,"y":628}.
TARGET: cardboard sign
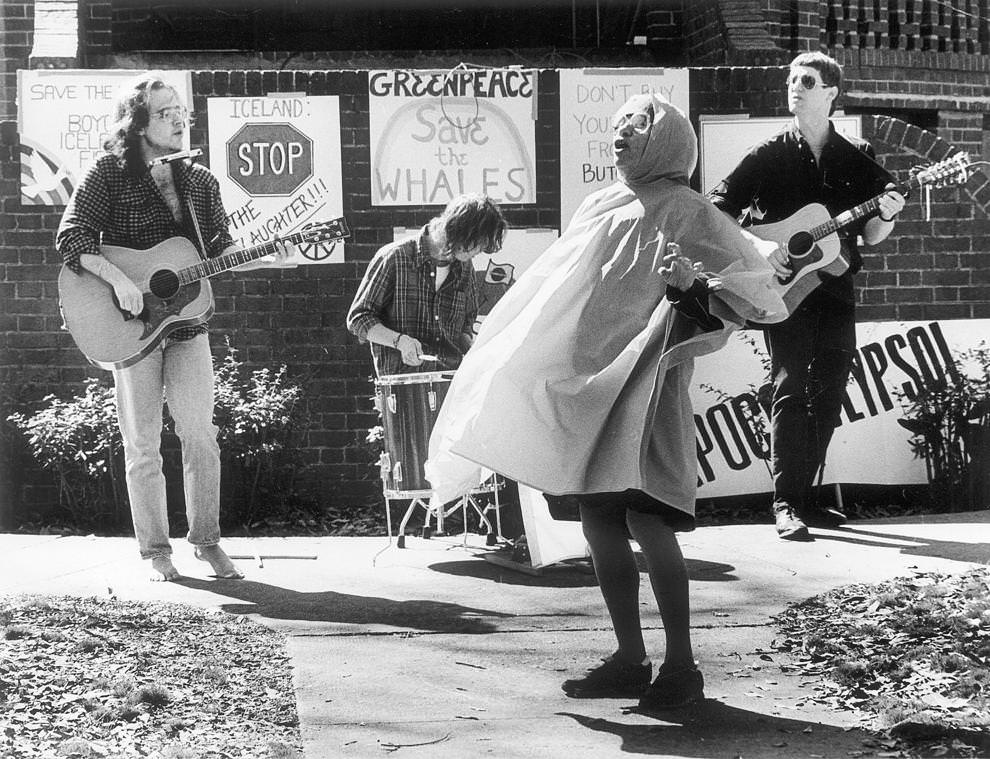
{"x":589,"y":99}
{"x":439,"y":134}
{"x":894,"y":360}
{"x":277,"y":159}
{"x":63,"y":117}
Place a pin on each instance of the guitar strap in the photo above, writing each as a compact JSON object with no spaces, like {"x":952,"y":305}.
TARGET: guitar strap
{"x":191,"y":210}
{"x":201,"y":247}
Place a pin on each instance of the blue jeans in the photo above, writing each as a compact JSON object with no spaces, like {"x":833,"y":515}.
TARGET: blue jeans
{"x":184,"y":370}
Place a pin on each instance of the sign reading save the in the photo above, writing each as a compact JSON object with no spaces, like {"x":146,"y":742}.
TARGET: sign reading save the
{"x":269,"y":159}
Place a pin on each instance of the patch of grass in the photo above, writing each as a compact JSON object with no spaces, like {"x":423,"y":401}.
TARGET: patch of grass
{"x":154,"y":695}
{"x":912,"y":654}
{"x":16,"y":632}
{"x":141,"y":689}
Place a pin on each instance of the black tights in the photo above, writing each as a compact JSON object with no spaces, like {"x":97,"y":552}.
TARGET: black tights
{"x":618,"y":577}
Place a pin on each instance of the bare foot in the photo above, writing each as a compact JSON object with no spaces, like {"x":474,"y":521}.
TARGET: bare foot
{"x":223,"y":567}
{"x":163,"y":570}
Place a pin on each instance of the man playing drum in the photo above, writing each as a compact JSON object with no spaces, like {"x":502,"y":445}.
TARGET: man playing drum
{"x":419,"y":297}
{"x":416,"y":306}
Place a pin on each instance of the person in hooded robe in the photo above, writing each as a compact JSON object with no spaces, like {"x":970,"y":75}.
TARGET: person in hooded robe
{"x":578,"y":381}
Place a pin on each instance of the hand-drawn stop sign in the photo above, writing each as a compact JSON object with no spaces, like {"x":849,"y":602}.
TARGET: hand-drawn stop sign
{"x":269,"y":159}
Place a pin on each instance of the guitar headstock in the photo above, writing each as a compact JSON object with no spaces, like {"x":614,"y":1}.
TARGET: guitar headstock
{"x":951,"y":171}
{"x":322,"y":231}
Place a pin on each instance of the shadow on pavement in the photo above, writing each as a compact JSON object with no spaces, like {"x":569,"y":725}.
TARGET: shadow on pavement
{"x":714,"y":729}
{"x":978,"y":553}
{"x":571,"y":576}
{"x":275,"y":602}
{"x":554,"y":576}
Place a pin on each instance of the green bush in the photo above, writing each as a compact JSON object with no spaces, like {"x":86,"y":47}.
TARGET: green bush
{"x":78,"y":441}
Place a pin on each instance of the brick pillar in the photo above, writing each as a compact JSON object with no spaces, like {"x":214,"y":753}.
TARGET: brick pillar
{"x":16,"y":39}
{"x":16,"y":34}
{"x":95,"y":34}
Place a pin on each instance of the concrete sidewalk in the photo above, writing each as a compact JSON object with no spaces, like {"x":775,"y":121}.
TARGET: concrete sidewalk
{"x":434,"y":652}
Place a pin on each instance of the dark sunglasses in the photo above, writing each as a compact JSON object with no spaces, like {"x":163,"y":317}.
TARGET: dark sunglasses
{"x":807,"y":81}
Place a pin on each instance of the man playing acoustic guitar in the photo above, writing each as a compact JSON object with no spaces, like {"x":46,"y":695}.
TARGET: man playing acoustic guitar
{"x":812,"y":351}
{"x":129,"y":198}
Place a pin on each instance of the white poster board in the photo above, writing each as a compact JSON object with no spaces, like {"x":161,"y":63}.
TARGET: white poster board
{"x":725,"y":140}
{"x":589,"y":99}
{"x":63,"y":118}
{"x":277,"y":159}
{"x":438,"y":134}
{"x":496,"y":273}
{"x":869,"y":446}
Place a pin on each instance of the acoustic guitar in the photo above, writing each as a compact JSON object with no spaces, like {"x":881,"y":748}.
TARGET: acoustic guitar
{"x":810,"y":236}
{"x":174,"y":280}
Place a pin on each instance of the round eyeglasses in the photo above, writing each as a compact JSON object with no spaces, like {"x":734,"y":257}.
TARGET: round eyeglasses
{"x":640,"y":122}
{"x":172,"y":113}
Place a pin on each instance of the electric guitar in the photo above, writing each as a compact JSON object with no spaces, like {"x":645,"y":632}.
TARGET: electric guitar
{"x":174,"y":281}
{"x":810,"y":239}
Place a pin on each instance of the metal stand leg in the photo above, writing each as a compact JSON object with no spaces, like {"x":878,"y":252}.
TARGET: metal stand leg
{"x":424,"y":498}
{"x":496,"y":487}
{"x":417,"y":501}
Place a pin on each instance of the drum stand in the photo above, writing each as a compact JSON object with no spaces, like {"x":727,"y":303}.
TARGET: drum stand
{"x":423,"y":499}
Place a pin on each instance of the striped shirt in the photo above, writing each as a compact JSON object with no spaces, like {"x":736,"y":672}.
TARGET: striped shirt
{"x":399,"y":291}
{"x":114,"y":207}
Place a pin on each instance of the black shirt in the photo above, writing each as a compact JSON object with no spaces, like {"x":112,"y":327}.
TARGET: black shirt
{"x":780,"y":176}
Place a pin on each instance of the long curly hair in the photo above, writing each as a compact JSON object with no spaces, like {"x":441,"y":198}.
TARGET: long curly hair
{"x":130,"y":115}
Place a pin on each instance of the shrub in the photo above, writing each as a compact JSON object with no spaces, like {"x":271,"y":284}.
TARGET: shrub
{"x":259,"y":418}
{"x":950,"y":424}
{"x":78,"y":441}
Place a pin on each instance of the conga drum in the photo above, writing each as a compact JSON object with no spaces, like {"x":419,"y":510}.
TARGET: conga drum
{"x":409,"y":405}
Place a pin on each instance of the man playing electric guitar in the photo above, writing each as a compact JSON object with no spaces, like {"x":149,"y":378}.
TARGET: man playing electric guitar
{"x":135,"y":196}
{"x":811,"y":352}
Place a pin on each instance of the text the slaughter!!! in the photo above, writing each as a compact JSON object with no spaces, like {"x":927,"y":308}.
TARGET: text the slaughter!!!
{"x":436,"y":135}
{"x":277,"y":159}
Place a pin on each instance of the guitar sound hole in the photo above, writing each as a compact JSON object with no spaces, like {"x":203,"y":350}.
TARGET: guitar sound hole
{"x":800,"y":245}
{"x":164,"y":284}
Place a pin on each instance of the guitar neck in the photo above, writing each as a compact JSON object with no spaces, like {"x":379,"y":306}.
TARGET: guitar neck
{"x":846,"y":218}
{"x":213,"y":266}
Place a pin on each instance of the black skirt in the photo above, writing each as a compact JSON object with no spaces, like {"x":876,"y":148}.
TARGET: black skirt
{"x":568,"y":507}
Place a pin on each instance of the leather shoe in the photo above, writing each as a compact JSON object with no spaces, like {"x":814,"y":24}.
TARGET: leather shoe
{"x":824,"y":517}
{"x":789,"y":524}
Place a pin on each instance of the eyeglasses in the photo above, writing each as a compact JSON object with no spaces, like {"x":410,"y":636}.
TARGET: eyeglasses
{"x":171,"y":113}
{"x":640,"y":122}
{"x":807,"y":81}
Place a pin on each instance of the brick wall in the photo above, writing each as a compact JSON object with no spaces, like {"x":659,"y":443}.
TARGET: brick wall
{"x":929,"y":269}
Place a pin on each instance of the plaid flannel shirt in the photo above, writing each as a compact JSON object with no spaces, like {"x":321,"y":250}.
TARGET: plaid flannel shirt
{"x":114,"y":207}
{"x":399,"y":291}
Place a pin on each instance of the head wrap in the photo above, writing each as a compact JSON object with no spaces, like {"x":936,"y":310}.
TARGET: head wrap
{"x":671,"y":151}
